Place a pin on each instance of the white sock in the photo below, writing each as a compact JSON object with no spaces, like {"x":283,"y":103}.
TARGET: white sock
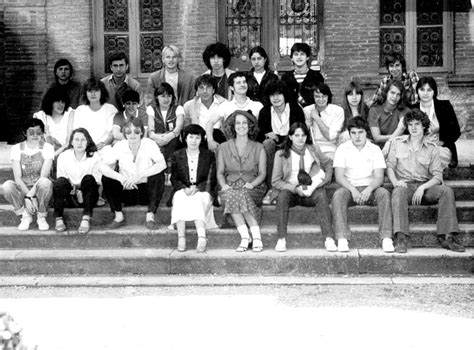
{"x":150,"y":217}
{"x":255,"y":231}
{"x":119,"y":216}
{"x":201,"y":232}
{"x":244,"y":232}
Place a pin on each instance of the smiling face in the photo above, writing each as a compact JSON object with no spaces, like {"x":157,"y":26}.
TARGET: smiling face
{"x":299,"y":59}
{"x":353,"y":98}
{"x":241,"y":125}
{"x":133,"y":134}
{"x":277,"y":100}
{"x":425,"y":93}
{"x":58,"y":107}
{"x":193,"y":141}
{"x":164,"y":100}
{"x":79,"y":142}
{"x":396,"y":70}
{"x":34,"y":135}
{"x":258,"y":62}
{"x":131,"y":108}
{"x":298,"y":139}
{"x":170,"y":60}
{"x":119,"y":68}
{"x":240,"y":86}
{"x":205,"y":92}
{"x":320,"y":99}
{"x":358,"y":137}
{"x":393,"y":95}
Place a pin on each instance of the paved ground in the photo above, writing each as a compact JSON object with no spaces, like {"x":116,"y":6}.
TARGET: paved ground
{"x":360,"y":316}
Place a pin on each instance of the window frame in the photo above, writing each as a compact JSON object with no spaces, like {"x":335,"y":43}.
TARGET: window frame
{"x":411,"y":43}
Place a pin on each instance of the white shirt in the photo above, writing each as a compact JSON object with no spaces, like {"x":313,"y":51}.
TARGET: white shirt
{"x":281,"y":126}
{"x":358,"y":165}
{"x":226,"y":108}
{"x":74,"y":170}
{"x":151,"y":112}
{"x":333,"y":118}
{"x":47,"y":151}
{"x":98,"y":123}
{"x":57,"y":130}
{"x":148,"y":154}
{"x":199,"y":113}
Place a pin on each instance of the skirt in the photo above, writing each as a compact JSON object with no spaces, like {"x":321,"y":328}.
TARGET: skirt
{"x":191,"y":208}
{"x":239,"y":200}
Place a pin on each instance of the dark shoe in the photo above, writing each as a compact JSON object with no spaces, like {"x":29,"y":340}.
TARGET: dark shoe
{"x":116,"y":224}
{"x":451,"y":242}
{"x":401,"y":242}
{"x":227,"y":221}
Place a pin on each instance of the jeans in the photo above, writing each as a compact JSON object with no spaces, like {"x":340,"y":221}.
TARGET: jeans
{"x":269,"y":146}
{"x":442,"y":195}
{"x":343,"y":198}
{"x":148,"y":193}
{"x":62,"y":195}
{"x":15,"y":196}
{"x":318,"y":199}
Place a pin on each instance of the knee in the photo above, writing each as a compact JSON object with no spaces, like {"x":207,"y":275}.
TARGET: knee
{"x":383,"y":194}
{"x":88,"y":180}
{"x":269,"y":146}
{"x":44,"y":184}
{"x":340,"y":195}
{"x":8,"y":186}
{"x":447,"y":192}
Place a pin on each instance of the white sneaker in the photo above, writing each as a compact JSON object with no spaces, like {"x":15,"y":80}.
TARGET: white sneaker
{"x":342,"y":245}
{"x":25,"y":222}
{"x":281,"y":245}
{"x":42,"y":224}
{"x":330,"y":245}
{"x":387,"y":245}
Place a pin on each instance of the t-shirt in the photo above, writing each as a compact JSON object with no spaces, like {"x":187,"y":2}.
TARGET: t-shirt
{"x":359,"y":165}
{"x":98,"y":123}
{"x":74,"y":170}
{"x":56,"y":130}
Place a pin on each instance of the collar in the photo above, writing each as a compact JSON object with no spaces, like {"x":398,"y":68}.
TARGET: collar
{"x":405,"y":138}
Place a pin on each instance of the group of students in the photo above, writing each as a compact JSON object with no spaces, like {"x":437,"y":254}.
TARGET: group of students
{"x":238,"y":139}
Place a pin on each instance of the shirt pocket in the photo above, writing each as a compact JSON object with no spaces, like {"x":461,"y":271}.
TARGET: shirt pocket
{"x":423,"y":161}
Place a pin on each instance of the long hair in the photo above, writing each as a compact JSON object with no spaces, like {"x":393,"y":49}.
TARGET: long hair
{"x":229,"y":125}
{"x":54,"y":94}
{"x":95,"y":84}
{"x":261,"y":51}
{"x":90,"y":148}
{"x":286,"y":149}
{"x":218,"y":49}
{"x":353,"y":86}
{"x":402,"y":103}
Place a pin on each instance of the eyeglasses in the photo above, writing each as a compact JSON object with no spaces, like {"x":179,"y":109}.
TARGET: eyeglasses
{"x":128,"y":131}
{"x":34,"y":133}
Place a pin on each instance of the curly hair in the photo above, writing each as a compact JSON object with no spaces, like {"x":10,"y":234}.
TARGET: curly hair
{"x":54,"y":94}
{"x":286,"y":148}
{"x":229,"y":125}
{"x":393,"y":57}
{"x":205,"y":80}
{"x":94,"y":84}
{"x":218,"y":49}
{"x":91,"y":146}
{"x":417,"y":115}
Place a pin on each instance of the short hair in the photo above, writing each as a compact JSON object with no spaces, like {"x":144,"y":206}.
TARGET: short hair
{"x":91,"y":146}
{"x":130,"y":95}
{"x":118,"y":56}
{"x":54,"y":94}
{"x":33,"y":123}
{"x":399,"y":85}
{"x":325,"y":90}
{"x":62,"y":62}
{"x":235,"y":75}
{"x":287,"y":143}
{"x":431,"y":82}
{"x":277,"y":87}
{"x":194,"y":129}
{"x":174,"y":49}
{"x":218,"y":49}
{"x":359,"y":123}
{"x":164,"y":88}
{"x":300,"y":47}
{"x":95,"y":84}
{"x":393,"y":57}
{"x":417,"y":115}
{"x":229,"y":124}
{"x":261,"y":51}
{"x":206,"y":80}
{"x":135,"y":122}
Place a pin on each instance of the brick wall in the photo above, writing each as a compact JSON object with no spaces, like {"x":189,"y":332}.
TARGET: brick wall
{"x":464,"y":42}
{"x":190,"y":25}
{"x":3,"y":131}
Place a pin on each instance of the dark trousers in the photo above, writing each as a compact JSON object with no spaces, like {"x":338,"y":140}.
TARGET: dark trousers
{"x":148,"y":193}
{"x":62,"y":195}
{"x":318,"y":199}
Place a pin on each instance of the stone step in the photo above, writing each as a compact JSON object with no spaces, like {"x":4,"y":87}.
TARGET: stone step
{"x":298,"y":215}
{"x":299,"y":236}
{"x":139,"y":261}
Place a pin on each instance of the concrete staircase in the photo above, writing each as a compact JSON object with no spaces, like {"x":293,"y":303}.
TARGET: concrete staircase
{"x":134,"y":250}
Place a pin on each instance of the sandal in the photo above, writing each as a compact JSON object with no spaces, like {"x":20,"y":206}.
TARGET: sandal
{"x":244,"y":245}
{"x":84,"y":227}
{"x":181,"y":244}
{"x":201,"y":245}
{"x":257,"y":245}
{"x":60,"y":226}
